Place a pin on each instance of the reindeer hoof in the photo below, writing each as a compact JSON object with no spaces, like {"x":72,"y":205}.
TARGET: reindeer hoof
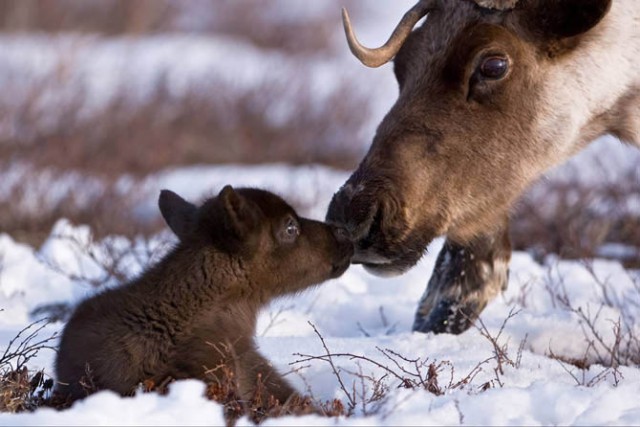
{"x":464,"y":280}
{"x":447,"y":317}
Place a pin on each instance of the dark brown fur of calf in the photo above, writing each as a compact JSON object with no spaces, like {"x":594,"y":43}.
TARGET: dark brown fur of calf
{"x":196,"y":309}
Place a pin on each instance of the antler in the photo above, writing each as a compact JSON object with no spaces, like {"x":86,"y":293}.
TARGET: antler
{"x":380,"y":56}
{"x":497,"y":4}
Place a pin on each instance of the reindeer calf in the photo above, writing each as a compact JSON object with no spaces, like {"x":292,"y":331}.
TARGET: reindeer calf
{"x":236,"y":252}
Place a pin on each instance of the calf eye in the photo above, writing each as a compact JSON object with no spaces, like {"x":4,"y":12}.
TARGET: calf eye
{"x":292,"y":228}
{"x":493,"y":67}
{"x":290,"y":231}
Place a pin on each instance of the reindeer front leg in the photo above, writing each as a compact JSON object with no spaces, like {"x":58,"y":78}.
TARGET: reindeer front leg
{"x":464,"y":280}
{"x":257,"y":378}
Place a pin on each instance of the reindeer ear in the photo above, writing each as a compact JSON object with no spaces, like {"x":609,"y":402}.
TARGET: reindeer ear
{"x":241,"y":215}
{"x":177,"y":212}
{"x":560,"y":19}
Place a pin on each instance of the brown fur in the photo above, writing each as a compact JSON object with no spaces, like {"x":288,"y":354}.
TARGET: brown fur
{"x":196,"y":309}
{"x":457,"y":148}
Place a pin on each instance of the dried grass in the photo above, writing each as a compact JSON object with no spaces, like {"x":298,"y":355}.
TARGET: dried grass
{"x":20,"y":388}
{"x":579,"y":220}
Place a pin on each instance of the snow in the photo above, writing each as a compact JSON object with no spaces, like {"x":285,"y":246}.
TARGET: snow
{"x":361,"y":315}
{"x":184,"y":405}
{"x":358,"y":313}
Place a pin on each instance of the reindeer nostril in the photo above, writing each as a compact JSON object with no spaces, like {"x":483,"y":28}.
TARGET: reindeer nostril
{"x":370,"y":228}
{"x":357,"y":211}
{"x":342,"y":234}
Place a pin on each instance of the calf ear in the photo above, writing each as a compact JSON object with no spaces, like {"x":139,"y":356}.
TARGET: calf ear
{"x":560,"y":19}
{"x":177,"y":212}
{"x":241,"y":215}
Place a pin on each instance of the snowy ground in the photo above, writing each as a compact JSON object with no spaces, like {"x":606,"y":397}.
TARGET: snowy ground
{"x":357,"y":313}
{"x":362,"y":315}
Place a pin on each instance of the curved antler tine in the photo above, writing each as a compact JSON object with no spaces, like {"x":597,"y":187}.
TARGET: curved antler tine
{"x":380,"y":56}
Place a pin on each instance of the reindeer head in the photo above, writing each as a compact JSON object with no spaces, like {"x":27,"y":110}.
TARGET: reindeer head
{"x":491,"y":94}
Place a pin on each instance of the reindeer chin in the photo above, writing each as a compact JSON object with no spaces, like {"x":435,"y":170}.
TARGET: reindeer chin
{"x":385,"y":270}
{"x":382,"y":266}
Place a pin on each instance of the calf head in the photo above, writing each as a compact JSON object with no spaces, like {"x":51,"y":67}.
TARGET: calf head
{"x":274,"y":249}
{"x":489,"y":98}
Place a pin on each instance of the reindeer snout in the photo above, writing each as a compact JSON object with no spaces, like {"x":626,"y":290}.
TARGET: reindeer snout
{"x":343,"y":250}
{"x":353,"y":211}
{"x":337,"y":212}
{"x":341,"y":234}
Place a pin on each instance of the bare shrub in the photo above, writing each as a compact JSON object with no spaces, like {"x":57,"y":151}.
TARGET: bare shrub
{"x":369,"y":392}
{"x":24,"y":346}
{"x":574,"y":219}
{"x":225,"y":392}
{"x":272,"y":25}
{"x":208,"y":124}
{"x":102,"y":263}
{"x":31,"y":207}
{"x":500,"y":350}
{"x":222,"y":387}
{"x":104,"y":16}
{"x":622,"y":347}
{"x":265,"y":25}
{"x":20,"y":388}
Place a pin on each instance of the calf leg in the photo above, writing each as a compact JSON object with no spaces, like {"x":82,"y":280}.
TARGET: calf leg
{"x":256,"y":375}
{"x":464,"y":280}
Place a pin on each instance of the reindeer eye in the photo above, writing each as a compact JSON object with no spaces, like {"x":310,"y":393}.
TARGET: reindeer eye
{"x":292,"y":228}
{"x":494,"y":67}
{"x":290,"y":232}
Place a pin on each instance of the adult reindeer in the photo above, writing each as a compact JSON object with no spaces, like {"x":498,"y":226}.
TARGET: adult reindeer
{"x":492,"y":94}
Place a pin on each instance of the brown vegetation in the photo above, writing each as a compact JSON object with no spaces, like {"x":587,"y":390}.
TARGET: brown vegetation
{"x":583,"y":218}
{"x":21,"y":389}
{"x":208,"y":123}
{"x":263,"y":26}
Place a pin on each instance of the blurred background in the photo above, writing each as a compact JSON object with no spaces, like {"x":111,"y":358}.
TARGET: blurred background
{"x":100,"y":96}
